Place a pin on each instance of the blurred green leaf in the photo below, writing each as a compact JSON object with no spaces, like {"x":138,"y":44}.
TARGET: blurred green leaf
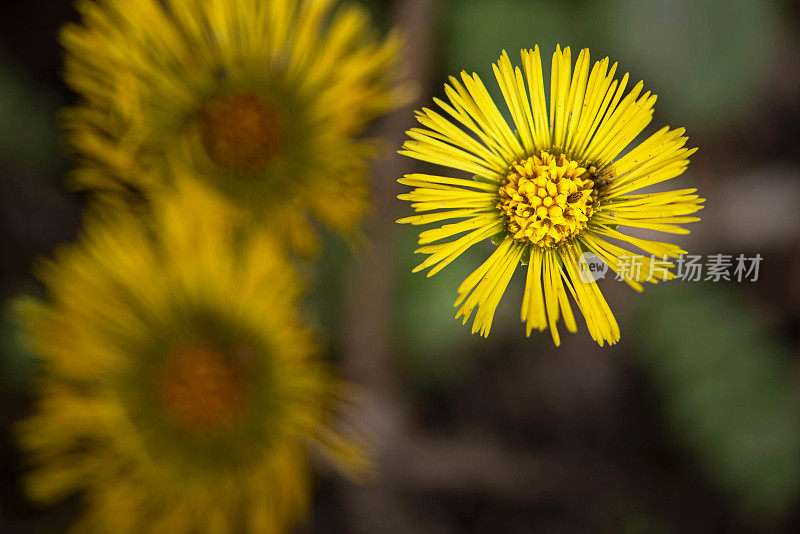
{"x":17,"y":363}
{"x":728,"y":390}
{"x":476,"y":31}
{"x":633,"y":519}
{"x":29,"y":135}
{"x":326,"y":280}
{"x":708,"y":59}
{"x":434,"y":346}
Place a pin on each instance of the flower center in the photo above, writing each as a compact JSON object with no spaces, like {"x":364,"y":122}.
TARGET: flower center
{"x":546,"y":199}
{"x":203,"y":390}
{"x":240,"y":132}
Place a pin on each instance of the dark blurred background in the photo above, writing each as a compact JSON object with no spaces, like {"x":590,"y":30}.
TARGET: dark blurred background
{"x":690,"y":424}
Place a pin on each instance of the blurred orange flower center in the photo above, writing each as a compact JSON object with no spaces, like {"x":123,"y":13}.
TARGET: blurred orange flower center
{"x":240,"y":132}
{"x":203,"y":390}
{"x":546,"y":199}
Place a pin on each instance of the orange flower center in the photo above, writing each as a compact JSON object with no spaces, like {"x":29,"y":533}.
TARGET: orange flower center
{"x":240,"y":132}
{"x":203,"y":390}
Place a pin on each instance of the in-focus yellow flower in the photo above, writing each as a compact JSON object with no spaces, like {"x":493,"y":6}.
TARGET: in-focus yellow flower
{"x":546,"y":189}
{"x":261,"y":99}
{"x":178,"y":390}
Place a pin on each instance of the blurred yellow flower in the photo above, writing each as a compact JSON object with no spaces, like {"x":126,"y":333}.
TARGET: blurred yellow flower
{"x":548,"y":188}
{"x":178,"y":388}
{"x":261,"y":99}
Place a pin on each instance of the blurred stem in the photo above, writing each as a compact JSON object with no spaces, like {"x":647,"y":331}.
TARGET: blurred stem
{"x":368,"y":358}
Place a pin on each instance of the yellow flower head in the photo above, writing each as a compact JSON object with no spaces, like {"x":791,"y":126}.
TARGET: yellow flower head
{"x":261,"y":99}
{"x":178,"y":389}
{"x":548,"y":188}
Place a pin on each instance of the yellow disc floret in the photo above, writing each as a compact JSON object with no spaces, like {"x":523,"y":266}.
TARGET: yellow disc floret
{"x":546,"y":199}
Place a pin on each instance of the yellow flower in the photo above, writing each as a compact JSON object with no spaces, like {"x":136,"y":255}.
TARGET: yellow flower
{"x":548,"y":188}
{"x":178,"y":390}
{"x":261,"y":99}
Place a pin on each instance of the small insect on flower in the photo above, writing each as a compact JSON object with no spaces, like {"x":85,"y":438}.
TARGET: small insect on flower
{"x":179,"y":389}
{"x":547,"y":189}
{"x":263,"y":100}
